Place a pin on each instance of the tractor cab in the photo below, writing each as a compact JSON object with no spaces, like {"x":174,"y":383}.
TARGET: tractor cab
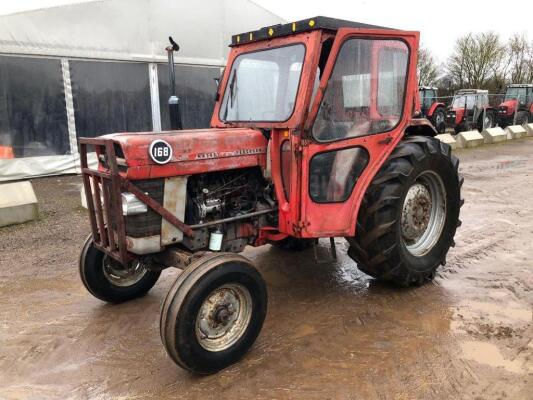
{"x":330,"y":95}
{"x":517,"y":105}
{"x":428,"y":96}
{"x":470,"y":109}
{"x":431,"y":108}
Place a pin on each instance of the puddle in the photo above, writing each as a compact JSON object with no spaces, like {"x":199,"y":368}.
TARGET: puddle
{"x":509,"y":314}
{"x":489,"y":354}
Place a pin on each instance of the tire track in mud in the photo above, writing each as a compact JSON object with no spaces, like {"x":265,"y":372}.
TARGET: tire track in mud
{"x":488,"y":270}
{"x":477,"y":245}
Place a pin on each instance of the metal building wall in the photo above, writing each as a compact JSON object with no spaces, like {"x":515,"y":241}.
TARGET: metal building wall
{"x":95,"y":68}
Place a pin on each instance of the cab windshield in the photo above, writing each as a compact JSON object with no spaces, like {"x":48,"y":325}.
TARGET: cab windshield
{"x":262,"y":85}
{"x":516,"y":93}
{"x":471,"y":100}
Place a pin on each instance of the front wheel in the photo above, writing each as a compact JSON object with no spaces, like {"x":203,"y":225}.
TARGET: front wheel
{"x":409,"y":214}
{"x":438,"y":119}
{"x":522,"y":118}
{"x":486,"y":121}
{"x":213,"y":313}
{"x":108,"y":280}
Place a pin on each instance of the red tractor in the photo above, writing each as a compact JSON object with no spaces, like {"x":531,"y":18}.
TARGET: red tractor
{"x":469,"y":110}
{"x":517,"y":106}
{"x":431,"y":108}
{"x":312,"y":136}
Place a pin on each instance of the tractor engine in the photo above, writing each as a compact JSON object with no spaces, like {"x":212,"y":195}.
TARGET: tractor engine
{"x":229,"y":196}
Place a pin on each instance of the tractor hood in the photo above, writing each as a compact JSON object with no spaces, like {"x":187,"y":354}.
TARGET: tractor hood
{"x":455,"y":115}
{"x":192,"y":151}
{"x":510,"y":104}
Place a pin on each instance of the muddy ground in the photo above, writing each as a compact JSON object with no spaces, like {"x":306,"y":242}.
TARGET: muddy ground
{"x":331,"y":331}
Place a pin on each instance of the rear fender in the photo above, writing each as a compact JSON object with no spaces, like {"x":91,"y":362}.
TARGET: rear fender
{"x":433,"y":107}
{"x":420,"y":126}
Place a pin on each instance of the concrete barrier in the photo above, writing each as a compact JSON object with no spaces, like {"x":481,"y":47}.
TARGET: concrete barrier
{"x":18,"y":203}
{"x":494,"y":135}
{"x":448,"y":139}
{"x":469,"y":139}
{"x":515,"y":132}
{"x":529,"y":129}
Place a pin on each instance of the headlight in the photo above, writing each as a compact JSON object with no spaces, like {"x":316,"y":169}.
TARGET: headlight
{"x":131,"y":205}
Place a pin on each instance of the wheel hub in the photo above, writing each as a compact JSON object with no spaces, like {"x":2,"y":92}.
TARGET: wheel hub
{"x":119,"y":275}
{"x":423,"y":214}
{"x":223,"y":317}
{"x":416,"y":212}
{"x":488,"y":122}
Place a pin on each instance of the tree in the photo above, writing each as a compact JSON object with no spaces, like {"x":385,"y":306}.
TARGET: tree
{"x":476,"y":60}
{"x":520,"y":56}
{"x":428,"y":70}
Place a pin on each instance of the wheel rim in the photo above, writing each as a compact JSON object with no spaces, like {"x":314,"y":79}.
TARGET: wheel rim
{"x":439,"y":119}
{"x":423,"y":214}
{"x":120,"y":276}
{"x":488,"y":122}
{"x":223,"y":317}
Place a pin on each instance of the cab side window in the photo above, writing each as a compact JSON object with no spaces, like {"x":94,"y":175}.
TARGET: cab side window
{"x":365,"y":93}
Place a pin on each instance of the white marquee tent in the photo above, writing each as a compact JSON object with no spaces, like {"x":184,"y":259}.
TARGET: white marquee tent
{"x":98,"y":67}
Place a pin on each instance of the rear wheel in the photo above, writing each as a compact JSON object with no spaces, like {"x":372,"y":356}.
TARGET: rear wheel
{"x":409,"y":214}
{"x":108,"y":280}
{"x":213,"y":313}
{"x":438,"y":120}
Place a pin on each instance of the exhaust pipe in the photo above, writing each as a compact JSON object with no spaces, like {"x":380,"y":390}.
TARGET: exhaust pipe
{"x":173,"y":100}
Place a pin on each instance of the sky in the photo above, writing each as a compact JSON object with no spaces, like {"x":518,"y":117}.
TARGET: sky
{"x":440,"y":23}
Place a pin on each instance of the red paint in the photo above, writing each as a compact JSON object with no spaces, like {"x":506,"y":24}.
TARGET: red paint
{"x":194,"y":151}
{"x":433,"y":107}
{"x":459,"y":114}
{"x":510,"y":106}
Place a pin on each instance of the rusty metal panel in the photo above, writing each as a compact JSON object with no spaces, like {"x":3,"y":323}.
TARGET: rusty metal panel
{"x":174,"y":201}
{"x":103,"y":191}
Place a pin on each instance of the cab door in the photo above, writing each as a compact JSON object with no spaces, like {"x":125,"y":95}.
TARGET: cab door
{"x":364,"y":103}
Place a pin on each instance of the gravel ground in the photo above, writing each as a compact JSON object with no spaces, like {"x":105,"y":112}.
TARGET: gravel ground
{"x":331,"y":331}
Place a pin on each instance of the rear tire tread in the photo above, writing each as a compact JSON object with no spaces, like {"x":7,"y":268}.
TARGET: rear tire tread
{"x":374,"y":247}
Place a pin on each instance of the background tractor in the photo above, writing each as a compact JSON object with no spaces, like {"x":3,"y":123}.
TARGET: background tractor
{"x":313,"y":135}
{"x":469,"y":110}
{"x":517,"y":106}
{"x":431,"y":108}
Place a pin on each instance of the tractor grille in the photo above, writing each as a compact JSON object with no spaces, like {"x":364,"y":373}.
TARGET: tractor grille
{"x":149,"y":223}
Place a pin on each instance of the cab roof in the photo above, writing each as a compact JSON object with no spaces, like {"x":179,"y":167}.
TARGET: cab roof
{"x":520,"y":85}
{"x":472,"y":91}
{"x":304,"y":25}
